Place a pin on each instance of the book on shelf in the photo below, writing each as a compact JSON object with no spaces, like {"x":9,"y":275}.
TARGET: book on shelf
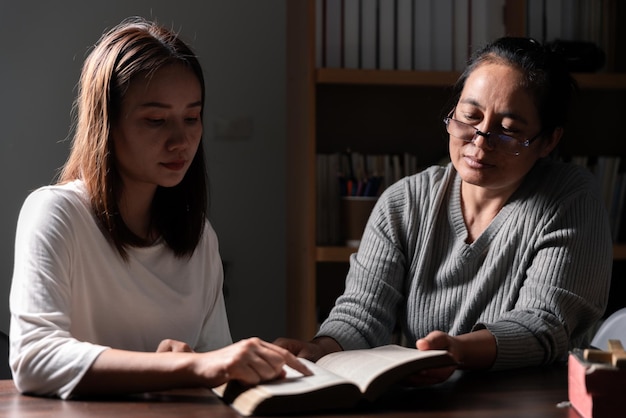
{"x":351,"y":45}
{"x":353,"y":169}
{"x":386,"y":35}
{"x":340,"y":380}
{"x":421,"y":32}
{"x":404,"y":37}
{"x":487,"y":22}
{"x":461,"y":28}
{"x":321,"y":199}
{"x":327,"y":201}
{"x":369,"y":34}
{"x":439,"y":35}
{"x":333,"y":34}
{"x":442,"y":23}
{"x":319,"y":33}
{"x":353,"y":174}
{"x":568,"y":20}
{"x":535,"y":18}
{"x":554,"y":19}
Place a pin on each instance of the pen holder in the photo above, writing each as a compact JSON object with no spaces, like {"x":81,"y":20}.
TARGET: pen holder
{"x":355,"y":211}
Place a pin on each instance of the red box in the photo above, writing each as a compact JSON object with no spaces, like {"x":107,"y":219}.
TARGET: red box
{"x":596,"y":390}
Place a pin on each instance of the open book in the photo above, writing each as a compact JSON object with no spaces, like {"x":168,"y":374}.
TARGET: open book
{"x":339,"y":380}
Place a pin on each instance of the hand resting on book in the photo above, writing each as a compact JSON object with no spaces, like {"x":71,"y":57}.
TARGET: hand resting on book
{"x":248,"y":361}
{"x":311,"y":350}
{"x":474,"y":350}
{"x":319,"y":347}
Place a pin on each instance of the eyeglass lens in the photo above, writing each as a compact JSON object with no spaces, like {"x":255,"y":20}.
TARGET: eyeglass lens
{"x":468,"y":133}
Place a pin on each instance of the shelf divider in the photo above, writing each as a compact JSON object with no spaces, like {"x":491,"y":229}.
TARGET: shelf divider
{"x":601,"y":81}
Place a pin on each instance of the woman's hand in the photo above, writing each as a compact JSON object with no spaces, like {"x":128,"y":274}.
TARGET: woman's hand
{"x":436,"y":340}
{"x":249,"y":362}
{"x":311,"y":350}
{"x":173,"y":346}
{"x":475,"y":350}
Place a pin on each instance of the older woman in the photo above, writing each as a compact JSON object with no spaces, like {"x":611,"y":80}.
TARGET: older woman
{"x":503,"y":257}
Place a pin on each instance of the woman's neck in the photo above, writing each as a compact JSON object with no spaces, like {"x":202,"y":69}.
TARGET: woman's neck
{"x":480,"y":206}
{"x":135,"y":206}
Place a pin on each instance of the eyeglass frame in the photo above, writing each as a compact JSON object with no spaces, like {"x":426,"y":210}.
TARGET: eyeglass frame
{"x":525,"y":143}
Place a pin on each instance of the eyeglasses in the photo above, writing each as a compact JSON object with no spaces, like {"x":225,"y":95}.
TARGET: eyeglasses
{"x":501,"y":142}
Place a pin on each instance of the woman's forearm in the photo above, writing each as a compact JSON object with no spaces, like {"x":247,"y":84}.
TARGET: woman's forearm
{"x":248,"y":361}
{"x":118,"y":371}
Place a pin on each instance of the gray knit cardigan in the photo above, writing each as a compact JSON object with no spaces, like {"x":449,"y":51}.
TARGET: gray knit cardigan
{"x":537,"y":278}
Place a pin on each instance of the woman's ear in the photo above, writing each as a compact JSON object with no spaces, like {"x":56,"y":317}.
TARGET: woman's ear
{"x":549,"y":143}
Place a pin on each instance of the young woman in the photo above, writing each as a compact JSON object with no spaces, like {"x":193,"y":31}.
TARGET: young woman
{"x":503,"y":257}
{"x":117,"y":283}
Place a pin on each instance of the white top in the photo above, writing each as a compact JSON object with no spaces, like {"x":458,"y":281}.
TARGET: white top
{"x":72,"y":294}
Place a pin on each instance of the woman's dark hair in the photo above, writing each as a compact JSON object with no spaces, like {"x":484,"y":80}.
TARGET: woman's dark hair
{"x":545,"y":73}
{"x":134,"y":48}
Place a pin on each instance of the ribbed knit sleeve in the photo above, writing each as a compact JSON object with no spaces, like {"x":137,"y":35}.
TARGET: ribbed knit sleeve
{"x":537,"y":277}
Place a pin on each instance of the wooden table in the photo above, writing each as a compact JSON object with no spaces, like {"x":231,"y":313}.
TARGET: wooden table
{"x":519,"y":393}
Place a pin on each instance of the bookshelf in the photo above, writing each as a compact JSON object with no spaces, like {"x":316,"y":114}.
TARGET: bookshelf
{"x":330,"y":109}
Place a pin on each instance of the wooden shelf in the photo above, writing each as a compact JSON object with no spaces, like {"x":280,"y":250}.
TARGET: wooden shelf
{"x":334,"y":254}
{"x":324,"y":254}
{"x":386,"y":77}
{"x":600,"y":81}
{"x":619,"y":252}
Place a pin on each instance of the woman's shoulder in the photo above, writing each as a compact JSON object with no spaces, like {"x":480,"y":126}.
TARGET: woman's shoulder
{"x":418,"y":191}
{"x":54,"y":213}
{"x":565,"y":176}
{"x":209,"y":236}
{"x":428,"y":180}
{"x":67,"y":197}
{"x":561,"y":166}
{"x":554,"y":183}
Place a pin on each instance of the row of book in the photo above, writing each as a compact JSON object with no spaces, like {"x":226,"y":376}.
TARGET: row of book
{"x":369,"y":175}
{"x":438,"y":35}
{"x":574,"y":20}
{"x":353,"y":174}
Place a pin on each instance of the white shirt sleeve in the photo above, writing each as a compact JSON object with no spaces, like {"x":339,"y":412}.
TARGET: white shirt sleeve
{"x":44,"y":357}
{"x":73,"y":296}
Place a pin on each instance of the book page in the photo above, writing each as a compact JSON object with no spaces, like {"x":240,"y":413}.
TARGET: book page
{"x":294,"y":382}
{"x":294,"y":392}
{"x":364,"y":366}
